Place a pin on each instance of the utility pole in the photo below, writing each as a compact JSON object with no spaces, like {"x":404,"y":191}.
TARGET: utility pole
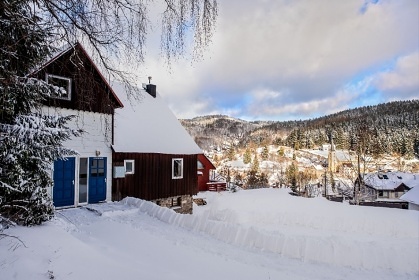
{"x":325,"y":178}
{"x":325,"y":183}
{"x":358,"y":183}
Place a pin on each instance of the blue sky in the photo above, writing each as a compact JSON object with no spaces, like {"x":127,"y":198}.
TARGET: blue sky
{"x":286,"y":60}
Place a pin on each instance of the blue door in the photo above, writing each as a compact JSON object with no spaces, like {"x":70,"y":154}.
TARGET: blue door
{"x":64,"y":174}
{"x":97,"y":179}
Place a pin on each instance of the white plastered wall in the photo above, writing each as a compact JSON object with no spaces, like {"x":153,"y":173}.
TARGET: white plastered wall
{"x":97,"y":137}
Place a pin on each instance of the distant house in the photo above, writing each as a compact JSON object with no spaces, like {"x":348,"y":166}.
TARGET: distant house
{"x":347,"y":169}
{"x":327,"y":147}
{"x":204,"y":168}
{"x":206,"y":182}
{"x":85,"y":178}
{"x":412,"y":197}
{"x":337,"y":160}
{"x":390,"y":186}
{"x":154,"y":158}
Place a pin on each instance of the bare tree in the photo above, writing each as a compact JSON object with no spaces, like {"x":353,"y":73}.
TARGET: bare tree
{"x":116,"y":31}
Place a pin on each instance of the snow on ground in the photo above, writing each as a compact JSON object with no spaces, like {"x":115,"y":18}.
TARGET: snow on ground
{"x":252,"y":234}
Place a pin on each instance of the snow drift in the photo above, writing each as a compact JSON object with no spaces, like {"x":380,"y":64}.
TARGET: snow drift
{"x":307,"y":229}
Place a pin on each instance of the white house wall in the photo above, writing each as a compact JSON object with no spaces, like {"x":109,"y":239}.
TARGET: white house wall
{"x":97,"y":138}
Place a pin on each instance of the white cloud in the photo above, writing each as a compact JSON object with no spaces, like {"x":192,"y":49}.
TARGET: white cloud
{"x":404,"y":76}
{"x":307,"y":38}
{"x":298,"y":55}
{"x":267,"y":103}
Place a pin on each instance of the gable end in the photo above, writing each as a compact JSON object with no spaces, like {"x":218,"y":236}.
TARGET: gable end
{"x":84,"y":87}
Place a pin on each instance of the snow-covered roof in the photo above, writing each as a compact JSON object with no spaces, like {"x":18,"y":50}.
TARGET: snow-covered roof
{"x":341,"y":155}
{"x":412,"y":196}
{"x":391,"y":180}
{"x":147,"y":125}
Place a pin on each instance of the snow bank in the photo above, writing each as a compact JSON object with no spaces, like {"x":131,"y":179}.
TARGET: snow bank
{"x":314,"y":230}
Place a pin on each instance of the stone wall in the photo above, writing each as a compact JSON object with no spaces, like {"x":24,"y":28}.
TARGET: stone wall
{"x":181,"y":204}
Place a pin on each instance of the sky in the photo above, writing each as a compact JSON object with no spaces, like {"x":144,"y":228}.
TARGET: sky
{"x":288,"y":60}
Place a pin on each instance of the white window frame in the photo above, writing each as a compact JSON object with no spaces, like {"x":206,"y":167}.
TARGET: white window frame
{"x":68,"y":89}
{"x":181,"y":168}
{"x":133,"y":166}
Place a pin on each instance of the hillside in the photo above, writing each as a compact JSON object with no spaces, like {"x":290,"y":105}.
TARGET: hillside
{"x":216,"y":130}
{"x":390,"y":127}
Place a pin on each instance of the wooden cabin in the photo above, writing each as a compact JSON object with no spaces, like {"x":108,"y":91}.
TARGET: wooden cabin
{"x":154,"y":158}
{"x":205,"y":182}
{"x":204,"y":168}
{"x":85,"y":178}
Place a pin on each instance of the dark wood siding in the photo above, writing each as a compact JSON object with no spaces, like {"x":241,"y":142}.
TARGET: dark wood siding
{"x":89,"y":92}
{"x":153,"y":176}
{"x":402,"y":188}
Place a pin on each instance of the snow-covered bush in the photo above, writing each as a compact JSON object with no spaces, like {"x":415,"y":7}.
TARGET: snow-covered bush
{"x":30,"y":142}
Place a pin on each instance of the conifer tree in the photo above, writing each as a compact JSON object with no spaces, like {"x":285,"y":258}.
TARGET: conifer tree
{"x":29,"y":140}
{"x":291,"y":174}
{"x":255,"y":163}
{"x":265,"y":153}
{"x":231,"y":153}
{"x":247,"y":157}
{"x":281,"y":152}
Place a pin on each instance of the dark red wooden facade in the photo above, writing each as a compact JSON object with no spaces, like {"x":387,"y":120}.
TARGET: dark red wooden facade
{"x":204,"y":172}
{"x":89,"y":89}
{"x":152,"y":178}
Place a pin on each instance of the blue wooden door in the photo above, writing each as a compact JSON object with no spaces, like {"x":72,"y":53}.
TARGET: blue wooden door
{"x":97,"y":179}
{"x":64,"y":175}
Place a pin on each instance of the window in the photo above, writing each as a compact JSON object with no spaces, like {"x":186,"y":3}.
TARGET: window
{"x":200,"y":165}
{"x":177,"y":168}
{"x":63,"y":86}
{"x":384,"y":194}
{"x":176,"y":201}
{"x":129,"y":166}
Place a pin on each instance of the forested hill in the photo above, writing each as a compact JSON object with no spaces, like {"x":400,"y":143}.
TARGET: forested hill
{"x":389,"y":127}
